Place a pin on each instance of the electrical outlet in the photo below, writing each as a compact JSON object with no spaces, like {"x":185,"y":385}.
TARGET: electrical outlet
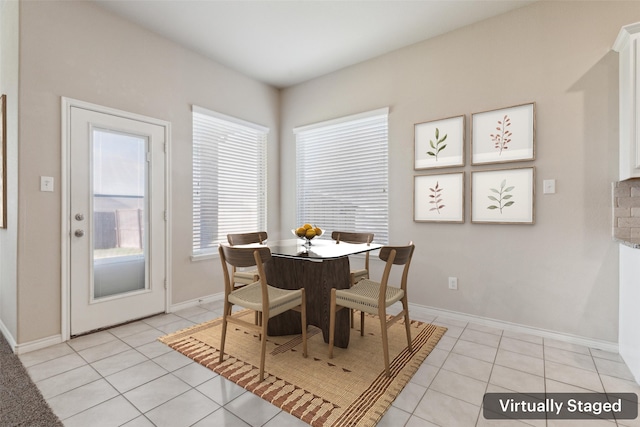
{"x":453,"y":283}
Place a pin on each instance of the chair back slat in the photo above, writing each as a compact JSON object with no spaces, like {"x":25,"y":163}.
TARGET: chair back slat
{"x":351,"y":237}
{"x":395,"y":255}
{"x":243,"y":257}
{"x":403,"y":253}
{"x":247,"y":238}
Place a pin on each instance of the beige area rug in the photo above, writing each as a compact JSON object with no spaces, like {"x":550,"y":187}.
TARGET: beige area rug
{"x":349,"y":390}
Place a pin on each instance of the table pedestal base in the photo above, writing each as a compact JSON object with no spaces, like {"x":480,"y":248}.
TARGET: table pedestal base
{"x":317,"y":278}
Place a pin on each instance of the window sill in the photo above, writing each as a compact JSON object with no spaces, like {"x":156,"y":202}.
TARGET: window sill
{"x":204,"y":257}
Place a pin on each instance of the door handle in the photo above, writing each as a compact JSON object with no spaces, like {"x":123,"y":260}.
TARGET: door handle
{"x":79,"y":217}
{"x":79,"y":233}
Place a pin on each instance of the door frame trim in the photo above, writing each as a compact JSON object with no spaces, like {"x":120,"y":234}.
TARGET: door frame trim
{"x":65,"y":249}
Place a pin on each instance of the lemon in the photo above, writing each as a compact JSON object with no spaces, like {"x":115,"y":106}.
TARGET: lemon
{"x":301,"y":231}
{"x":318,"y":231}
{"x":308,"y":226}
{"x":310,"y":234}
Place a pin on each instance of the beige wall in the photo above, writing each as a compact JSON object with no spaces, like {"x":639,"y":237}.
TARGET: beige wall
{"x":560,"y":274}
{"x":9,"y":46}
{"x":78,"y":50}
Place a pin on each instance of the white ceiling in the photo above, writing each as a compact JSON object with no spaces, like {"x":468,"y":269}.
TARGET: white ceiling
{"x":283,"y":43}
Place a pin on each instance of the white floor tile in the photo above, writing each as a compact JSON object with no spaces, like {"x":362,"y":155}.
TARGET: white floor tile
{"x":112,"y":413}
{"x":91,"y":340}
{"x":475,"y":351}
{"x":130,"y":329}
{"x":173,"y":360}
{"x":142,"y":338}
{"x":523,"y":347}
{"x":82,"y":398}
{"x":66,"y":381}
{"x":102,"y":351}
{"x":479,"y":337}
{"x":45,"y":354}
{"x":444,"y":410}
{"x":55,"y":367}
{"x":613,"y":369}
{"x":394,"y":417}
{"x":573,"y":376}
{"x":459,"y":386}
{"x":464,"y":365}
{"x":183,"y":410}
{"x":111,"y":365}
{"x":128,"y":381}
{"x":566,"y":357}
{"x":156,"y":392}
{"x":515,"y":380}
{"x":221,"y":390}
{"x":409,"y":397}
{"x":194,"y":374}
{"x":135,"y":376}
{"x":520,"y":362}
{"x":284,"y":419}
{"x":219,"y":418}
{"x":252,"y":409}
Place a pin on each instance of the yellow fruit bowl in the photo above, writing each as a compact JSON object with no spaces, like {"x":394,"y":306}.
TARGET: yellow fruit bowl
{"x":307,"y":232}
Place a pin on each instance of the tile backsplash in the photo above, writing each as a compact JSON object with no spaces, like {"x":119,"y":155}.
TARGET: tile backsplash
{"x":626,"y":209}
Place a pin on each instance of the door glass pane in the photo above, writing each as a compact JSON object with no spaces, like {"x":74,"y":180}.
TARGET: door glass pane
{"x":119,"y":213}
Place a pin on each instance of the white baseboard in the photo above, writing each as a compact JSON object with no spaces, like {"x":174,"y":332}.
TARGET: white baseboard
{"x":7,"y":335}
{"x":424,"y":310}
{"x":515,"y":327}
{"x":38,"y":344}
{"x":195,"y":302}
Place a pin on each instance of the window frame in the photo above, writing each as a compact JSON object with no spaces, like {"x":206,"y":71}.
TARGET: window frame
{"x":334,"y":133}
{"x":232,"y":126}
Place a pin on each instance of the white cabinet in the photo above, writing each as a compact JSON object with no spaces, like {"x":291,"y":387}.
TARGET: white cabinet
{"x":629,"y":333}
{"x":628,"y":45}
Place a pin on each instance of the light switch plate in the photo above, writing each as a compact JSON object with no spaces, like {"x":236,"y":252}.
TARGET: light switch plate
{"x":549,"y":186}
{"x":46,"y":183}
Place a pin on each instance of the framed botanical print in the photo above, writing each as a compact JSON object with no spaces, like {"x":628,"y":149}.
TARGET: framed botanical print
{"x":505,"y":135}
{"x":439,"y":143}
{"x":503,"y":196}
{"x":439,"y":198}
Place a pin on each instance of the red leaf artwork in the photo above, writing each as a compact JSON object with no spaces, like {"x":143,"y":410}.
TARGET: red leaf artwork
{"x":502,"y":137}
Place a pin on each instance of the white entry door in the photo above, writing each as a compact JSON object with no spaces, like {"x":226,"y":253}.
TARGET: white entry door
{"x":117,"y":219}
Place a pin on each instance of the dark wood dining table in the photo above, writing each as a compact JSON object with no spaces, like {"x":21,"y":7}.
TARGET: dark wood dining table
{"x":317,"y":268}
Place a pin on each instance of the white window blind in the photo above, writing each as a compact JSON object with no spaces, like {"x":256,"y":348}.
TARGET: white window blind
{"x":229,"y":178}
{"x":342,"y":174}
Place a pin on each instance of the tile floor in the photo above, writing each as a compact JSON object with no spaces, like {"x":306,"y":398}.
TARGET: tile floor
{"x":124,"y":377}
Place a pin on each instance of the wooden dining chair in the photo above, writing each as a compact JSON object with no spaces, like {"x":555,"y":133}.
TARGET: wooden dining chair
{"x":374,"y":298}
{"x":355,"y":275}
{"x":269,"y":301}
{"x":245,"y":277}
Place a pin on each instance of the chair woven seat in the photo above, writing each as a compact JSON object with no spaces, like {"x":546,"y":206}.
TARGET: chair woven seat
{"x":280,"y":300}
{"x":364,"y":295}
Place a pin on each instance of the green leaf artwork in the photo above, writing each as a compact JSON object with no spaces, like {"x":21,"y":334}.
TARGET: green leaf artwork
{"x":436,"y":198}
{"x":503,"y":198}
{"x":436,"y":147}
{"x":503,"y":135}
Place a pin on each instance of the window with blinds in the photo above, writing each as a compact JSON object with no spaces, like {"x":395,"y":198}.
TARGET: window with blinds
{"x":342,"y":174}
{"x":229,"y":178}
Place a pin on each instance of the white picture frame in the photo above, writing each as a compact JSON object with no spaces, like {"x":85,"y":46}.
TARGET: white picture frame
{"x":504,"y":135}
{"x":439,"y":198}
{"x":439,"y":143}
{"x":504,"y":196}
